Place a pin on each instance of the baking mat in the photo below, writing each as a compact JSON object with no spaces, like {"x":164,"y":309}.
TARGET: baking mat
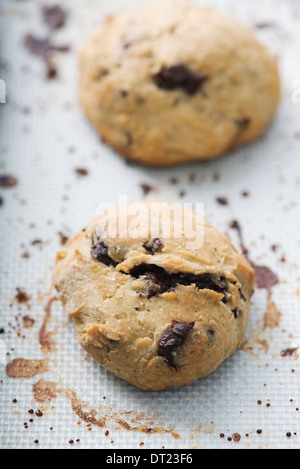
{"x":62,"y":173}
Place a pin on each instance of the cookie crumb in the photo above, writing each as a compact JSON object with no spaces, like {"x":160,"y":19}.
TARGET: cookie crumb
{"x":81,"y":171}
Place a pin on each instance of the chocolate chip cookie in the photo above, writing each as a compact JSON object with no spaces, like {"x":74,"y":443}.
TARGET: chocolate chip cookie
{"x":155,"y":300}
{"x":173,"y":82}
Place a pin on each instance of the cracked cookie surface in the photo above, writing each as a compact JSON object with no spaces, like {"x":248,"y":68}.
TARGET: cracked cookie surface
{"x":158,"y":311}
{"x":173,"y":82}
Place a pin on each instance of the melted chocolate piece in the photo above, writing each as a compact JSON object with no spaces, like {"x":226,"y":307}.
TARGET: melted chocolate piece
{"x":179,"y":76}
{"x":160,"y":281}
{"x":154,"y":245}
{"x":100,"y":253}
{"x":172,"y":338}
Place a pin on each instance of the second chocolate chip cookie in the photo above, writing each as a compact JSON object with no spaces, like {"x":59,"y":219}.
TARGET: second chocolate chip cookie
{"x":173,"y":82}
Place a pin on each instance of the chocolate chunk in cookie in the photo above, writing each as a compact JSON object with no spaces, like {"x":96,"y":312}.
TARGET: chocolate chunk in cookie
{"x":179,"y":76}
{"x":100,"y":254}
{"x":173,"y":338}
{"x":154,"y":245}
{"x":162,"y":281}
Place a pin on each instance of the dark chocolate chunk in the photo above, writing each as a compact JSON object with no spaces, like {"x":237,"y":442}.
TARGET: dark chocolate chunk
{"x":179,"y":76}
{"x":210,"y":333}
{"x":173,"y":338}
{"x":161,"y":281}
{"x":100,"y":254}
{"x":237,"y":312}
{"x":154,"y":245}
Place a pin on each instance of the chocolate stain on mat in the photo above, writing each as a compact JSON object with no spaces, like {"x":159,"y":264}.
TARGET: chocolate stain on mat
{"x":102,"y":416}
{"x":44,"y":48}
{"x":45,"y":337}
{"x":21,"y":296}
{"x":290,"y":351}
{"x":54,"y":17}
{"x":27,"y":368}
{"x":24,"y":368}
{"x":265,"y":278}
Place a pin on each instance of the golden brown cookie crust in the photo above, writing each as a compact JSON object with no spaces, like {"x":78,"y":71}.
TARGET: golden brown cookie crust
{"x":152,"y":311}
{"x":173,"y":82}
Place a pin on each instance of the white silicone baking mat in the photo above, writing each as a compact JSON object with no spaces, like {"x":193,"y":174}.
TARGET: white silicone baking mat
{"x":252,"y":400}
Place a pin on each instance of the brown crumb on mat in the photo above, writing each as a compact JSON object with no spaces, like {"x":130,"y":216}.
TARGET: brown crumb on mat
{"x":22,"y":296}
{"x":7,"y":180}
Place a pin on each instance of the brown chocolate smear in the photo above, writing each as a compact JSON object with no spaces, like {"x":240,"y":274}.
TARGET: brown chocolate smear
{"x":290,"y":351}
{"x":173,"y":338}
{"x":160,"y":281}
{"x":45,"y":337}
{"x":45,"y":49}
{"x":45,"y":390}
{"x":102,"y":416}
{"x":42,"y":47}
{"x":28,"y":321}
{"x":22,"y":296}
{"x":265,"y":277}
{"x":54,"y":16}
{"x":24,"y":368}
{"x":272,"y":314}
{"x":7,"y":180}
{"x":179,"y":76}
